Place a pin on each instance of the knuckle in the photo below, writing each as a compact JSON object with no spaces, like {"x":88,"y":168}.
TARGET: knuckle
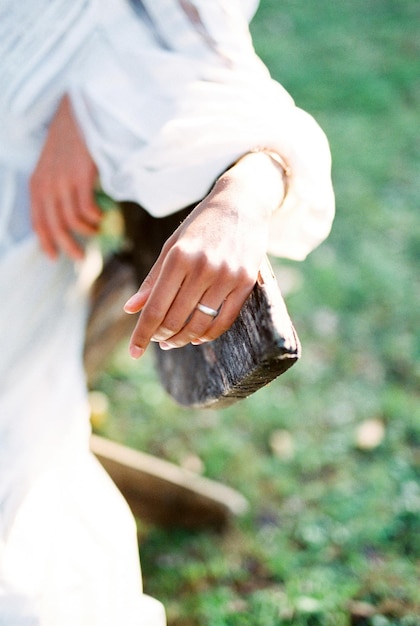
{"x":204,"y":263}
{"x":243,"y":277}
{"x":151,"y":314}
{"x":148,"y":281}
{"x":70,"y":220}
{"x":197,"y":329}
{"x":176,"y":254}
{"x":183,"y":256}
{"x":171,"y":325}
{"x":64,"y":180}
{"x":76,"y":222}
{"x":139,"y":339}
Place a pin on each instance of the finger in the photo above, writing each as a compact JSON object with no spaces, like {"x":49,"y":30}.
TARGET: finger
{"x":198,"y":322}
{"x":69,"y":245}
{"x":226,"y":297}
{"x":42,"y":227}
{"x":154,"y":298}
{"x":88,"y":209}
{"x":201,"y":272}
{"x":73,"y":215}
{"x":40,"y":222}
{"x":137,"y":301}
{"x":151,"y":317}
{"x":227,"y":314}
{"x":182,"y":310}
{"x":60,"y":234}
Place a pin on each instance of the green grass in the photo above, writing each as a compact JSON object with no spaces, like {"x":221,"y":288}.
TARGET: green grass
{"x":333,"y":533}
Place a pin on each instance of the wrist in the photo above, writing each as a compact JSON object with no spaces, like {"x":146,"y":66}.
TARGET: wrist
{"x":259,"y":176}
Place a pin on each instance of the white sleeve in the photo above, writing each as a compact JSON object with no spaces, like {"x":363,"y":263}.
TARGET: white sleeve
{"x":168,"y":99}
{"x":249,"y":8}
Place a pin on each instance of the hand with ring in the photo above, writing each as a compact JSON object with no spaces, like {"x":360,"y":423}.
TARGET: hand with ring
{"x":208,"y":267}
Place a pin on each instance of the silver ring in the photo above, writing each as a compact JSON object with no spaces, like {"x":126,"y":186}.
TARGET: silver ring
{"x":207,"y":310}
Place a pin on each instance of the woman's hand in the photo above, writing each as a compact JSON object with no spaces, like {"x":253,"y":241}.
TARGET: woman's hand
{"x":61,"y":188}
{"x":212,"y":259}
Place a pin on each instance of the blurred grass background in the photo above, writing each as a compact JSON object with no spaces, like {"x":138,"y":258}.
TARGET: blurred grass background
{"x":329,"y":454}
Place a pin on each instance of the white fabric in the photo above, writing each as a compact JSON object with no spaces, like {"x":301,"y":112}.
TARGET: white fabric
{"x":72,"y":553}
{"x":168,"y":93}
{"x":205,"y":99}
{"x":68,"y":551}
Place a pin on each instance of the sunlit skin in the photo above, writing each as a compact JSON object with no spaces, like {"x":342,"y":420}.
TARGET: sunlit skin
{"x":62,"y":202}
{"x":212,"y":258}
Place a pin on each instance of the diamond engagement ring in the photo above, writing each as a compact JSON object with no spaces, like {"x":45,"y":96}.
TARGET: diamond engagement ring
{"x":207,"y":310}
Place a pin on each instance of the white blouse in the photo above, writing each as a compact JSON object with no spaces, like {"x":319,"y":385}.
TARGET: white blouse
{"x":169,"y":101}
{"x":168,"y":93}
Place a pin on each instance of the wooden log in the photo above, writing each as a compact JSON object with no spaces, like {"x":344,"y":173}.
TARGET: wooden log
{"x":108,"y":325}
{"x":162,"y":493}
{"x":261,"y":345}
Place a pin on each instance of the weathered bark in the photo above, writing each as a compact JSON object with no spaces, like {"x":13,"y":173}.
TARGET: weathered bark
{"x":261,"y":345}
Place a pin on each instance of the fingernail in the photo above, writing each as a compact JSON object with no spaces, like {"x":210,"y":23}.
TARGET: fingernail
{"x":136,"y":352}
{"x":164,"y":345}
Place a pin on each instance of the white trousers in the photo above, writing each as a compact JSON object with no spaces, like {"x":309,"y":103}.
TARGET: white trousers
{"x":68,"y":548}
